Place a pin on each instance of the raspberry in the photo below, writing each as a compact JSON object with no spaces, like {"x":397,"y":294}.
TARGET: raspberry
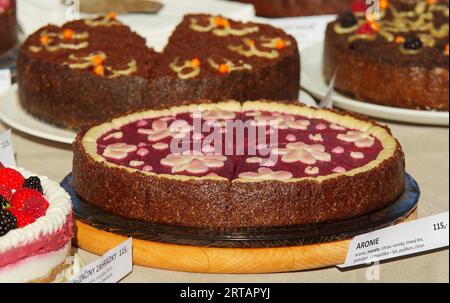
{"x":11,"y":178}
{"x":29,"y":201}
{"x":5,"y":192}
{"x":22,"y":218}
{"x":34,"y":183}
{"x":7,"y":222}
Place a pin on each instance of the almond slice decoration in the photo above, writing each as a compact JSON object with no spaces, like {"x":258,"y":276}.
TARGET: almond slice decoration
{"x":265,"y":173}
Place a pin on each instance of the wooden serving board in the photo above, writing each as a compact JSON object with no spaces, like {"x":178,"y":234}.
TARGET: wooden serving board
{"x":218,"y":260}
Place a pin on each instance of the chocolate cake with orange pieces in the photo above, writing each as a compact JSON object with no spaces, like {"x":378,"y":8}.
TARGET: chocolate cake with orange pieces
{"x":399,"y":60}
{"x":293,"y":8}
{"x":297,"y":165}
{"x":8,"y":25}
{"x":89,"y":71}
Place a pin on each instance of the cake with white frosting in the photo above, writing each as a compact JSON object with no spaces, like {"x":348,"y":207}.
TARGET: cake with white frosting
{"x":35,"y":227}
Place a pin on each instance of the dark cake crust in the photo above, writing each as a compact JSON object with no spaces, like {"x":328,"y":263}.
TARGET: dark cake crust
{"x":219,"y":204}
{"x":8,"y":29}
{"x":293,"y":8}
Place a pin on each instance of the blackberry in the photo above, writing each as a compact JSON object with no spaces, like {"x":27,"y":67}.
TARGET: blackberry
{"x":7,"y":222}
{"x":3,"y":203}
{"x":347,"y":19}
{"x":412,"y":43}
{"x":34,"y":183}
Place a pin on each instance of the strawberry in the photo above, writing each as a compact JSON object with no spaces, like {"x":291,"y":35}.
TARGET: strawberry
{"x":359,"y":6}
{"x":23,"y":219}
{"x":5,"y":192}
{"x":29,"y":201}
{"x":365,"y":29}
{"x":11,"y":178}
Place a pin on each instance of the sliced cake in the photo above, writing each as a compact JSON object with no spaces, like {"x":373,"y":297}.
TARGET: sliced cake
{"x":35,"y":227}
{"x":89,"y":71}
{"x":229,"y":165}
{"x":399,"y":60}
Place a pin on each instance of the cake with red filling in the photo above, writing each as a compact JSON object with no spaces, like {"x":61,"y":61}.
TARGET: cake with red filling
{"x":89,"y":71}
{"x":229,"y":164}
{"x":35,"y":227}
{"x":397,"y":57}
{"x":8,"y":25}
{"x":294,"y":8}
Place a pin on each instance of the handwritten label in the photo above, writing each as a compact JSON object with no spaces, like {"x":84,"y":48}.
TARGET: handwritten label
{"x":110,"y":268}
{"x":400,"y":240}
{"x":6,"y":149}
{"x":5,"y":80}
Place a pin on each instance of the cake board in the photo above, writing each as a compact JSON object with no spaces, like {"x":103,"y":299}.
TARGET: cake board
{"x":239,"y":251}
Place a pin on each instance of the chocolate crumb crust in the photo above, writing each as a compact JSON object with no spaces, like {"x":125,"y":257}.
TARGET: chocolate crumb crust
{"x":378,"y":70}
{"x":293,"y":8}
{"x":49,"y":89}
{"x":8,"y":28}
{"x":223,"y":204}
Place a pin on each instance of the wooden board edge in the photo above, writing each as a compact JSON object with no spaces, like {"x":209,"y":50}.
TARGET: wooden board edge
{"x":218,"y":260}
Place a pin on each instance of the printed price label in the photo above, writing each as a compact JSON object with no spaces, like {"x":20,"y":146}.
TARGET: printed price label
{"x":399,"y":240}
{"x":6,"y":149}
{"x":110,"y":268}
{"x":5,"y":80}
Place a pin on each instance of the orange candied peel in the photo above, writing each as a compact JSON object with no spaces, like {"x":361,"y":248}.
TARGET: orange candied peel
{"x":44,"y":39}
{"x":220,"y":21}
{"x":223,"y":69}
{"x":97,"y":60}
{"x":111,"y":15}
{"x":431,"y":1}
{"x":195,"y":62}
{"x":399,"y":39}
{"x":384,"y":4}
{"x":280,"y":43}
{"x":249,"y":42}
{"x":99,"y":70}
{"x":68,"y":34}
{"x":446,"y":49}
{"x":375,"y":26}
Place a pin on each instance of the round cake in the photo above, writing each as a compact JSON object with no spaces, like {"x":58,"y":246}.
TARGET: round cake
{"x":400,"y":60}
{"x":88,"y":71}
{"x":293,"y":8}
{"x":230,"y":165}
{"x":8,"y":25}
{"x":35,"y":227}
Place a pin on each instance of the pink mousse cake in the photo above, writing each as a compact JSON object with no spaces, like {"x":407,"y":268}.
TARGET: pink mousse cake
{"x":35,"y":227}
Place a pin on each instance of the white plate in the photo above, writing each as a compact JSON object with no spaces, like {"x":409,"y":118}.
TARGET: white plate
{"x":313,"y":81}
{"x":12,"y":113}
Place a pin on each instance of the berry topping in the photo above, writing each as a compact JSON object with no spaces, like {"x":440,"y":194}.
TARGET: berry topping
{"x":399,"y":39}
{"x":68,"y":34}
{"x":223,"y":69}
{"x":365,"y":29}
{"x":7,"y":222}
{"x":195,"y":62}
{"x":29,"y":201}
{"x":359,"y":6}
{"x":34,"y":183}
{"x":347,"y":19}
{"x":99,"y":70}
{"x":5,"y":192}
{"x":280,"y":44}
{"x":23,"y":219}
{"x":11,"y":178}
{"x":412,"y":43}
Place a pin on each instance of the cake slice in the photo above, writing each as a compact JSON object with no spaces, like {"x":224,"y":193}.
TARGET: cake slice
{"x":35,"y":227}
{"x":88,"y":71}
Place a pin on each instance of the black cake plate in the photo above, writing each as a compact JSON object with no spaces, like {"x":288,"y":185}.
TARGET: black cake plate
{"x":247,"y":237}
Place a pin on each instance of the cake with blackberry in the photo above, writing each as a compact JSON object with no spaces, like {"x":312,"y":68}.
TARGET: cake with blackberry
{"x":398,"y":57}
{"x":35,"y":227}
{"x":294,"y":8}
{"x":229,"y":165}
{"x":8,"y":25}
{"x":89,"y":71}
